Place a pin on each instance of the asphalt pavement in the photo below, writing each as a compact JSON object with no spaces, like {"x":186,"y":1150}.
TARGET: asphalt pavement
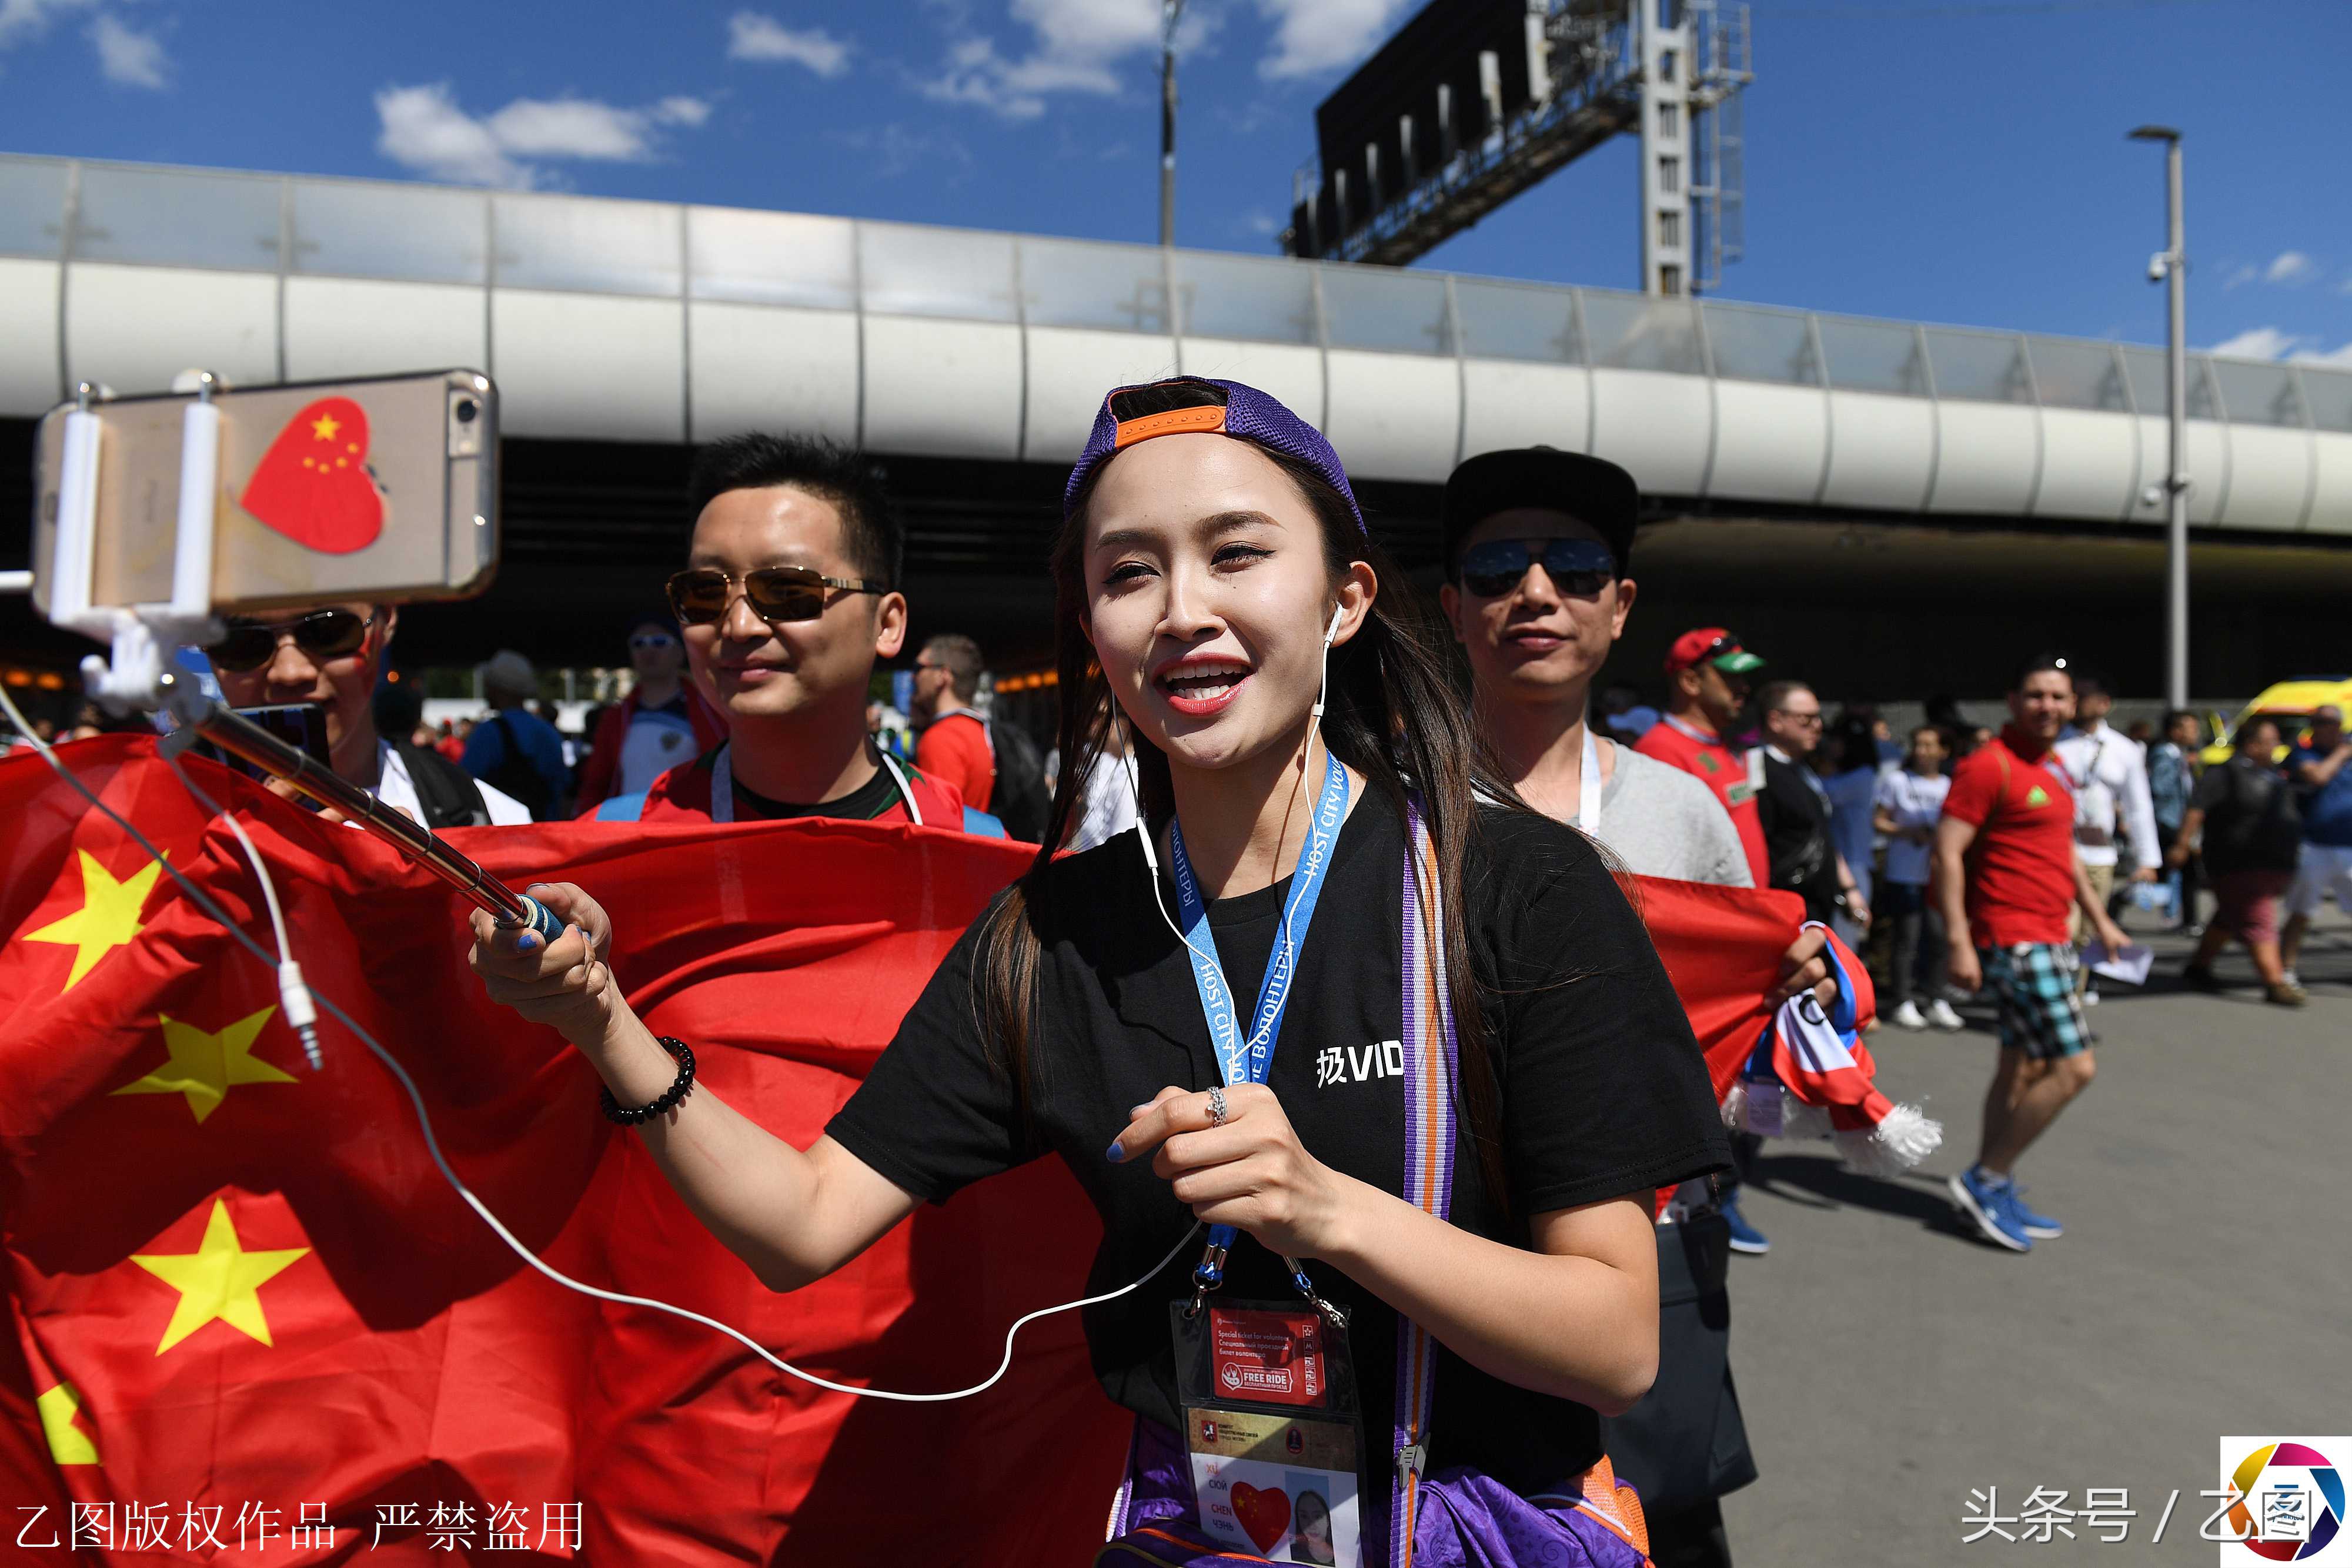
{"x":1889,"y":1363}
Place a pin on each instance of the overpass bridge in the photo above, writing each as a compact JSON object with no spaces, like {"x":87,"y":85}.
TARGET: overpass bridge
{"x":1887,"y":476}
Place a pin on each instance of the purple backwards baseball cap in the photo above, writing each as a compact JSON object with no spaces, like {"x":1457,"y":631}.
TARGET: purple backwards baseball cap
{"x":1223,"y":408}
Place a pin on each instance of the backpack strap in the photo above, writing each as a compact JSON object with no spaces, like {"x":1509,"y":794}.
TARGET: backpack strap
{"x":621,"y":808}
{"x":1432,"y":1066}
{"x":447,"y":792}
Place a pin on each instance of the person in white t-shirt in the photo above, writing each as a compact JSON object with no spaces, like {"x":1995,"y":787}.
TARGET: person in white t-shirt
{"x":2109,"y":773}
{"x":1908,"y":804}
{"x":331,"y":654}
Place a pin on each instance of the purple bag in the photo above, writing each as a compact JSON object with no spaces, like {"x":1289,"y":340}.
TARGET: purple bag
{"x":1464,"y":1519}
{"x":1457,"y":1518}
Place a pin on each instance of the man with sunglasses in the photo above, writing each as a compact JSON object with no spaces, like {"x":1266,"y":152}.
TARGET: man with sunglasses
{"x":1794,"y":809}
{"x":786,"y":601}
{"x":663,"y":721}
{"x":332,"y":655}
{"x":1536,"y":542}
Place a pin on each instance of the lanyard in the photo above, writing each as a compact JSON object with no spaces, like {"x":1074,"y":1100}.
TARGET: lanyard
{"x":722,"y":788}
{"x":1245,"y":1060}
{"x":1588,"y":788}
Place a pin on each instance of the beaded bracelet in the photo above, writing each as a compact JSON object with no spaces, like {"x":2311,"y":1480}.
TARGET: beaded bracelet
{"x":670,"y":1097}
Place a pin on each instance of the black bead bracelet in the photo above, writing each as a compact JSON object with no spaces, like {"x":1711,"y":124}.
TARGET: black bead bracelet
{"x":670,"y":1097}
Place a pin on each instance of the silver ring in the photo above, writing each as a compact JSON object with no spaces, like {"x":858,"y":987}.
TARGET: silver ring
{"x":1216,"y":1106}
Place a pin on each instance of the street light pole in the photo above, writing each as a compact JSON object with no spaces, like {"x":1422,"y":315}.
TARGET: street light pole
{"x":1170,"y":11}
{"x":2170,"y":265}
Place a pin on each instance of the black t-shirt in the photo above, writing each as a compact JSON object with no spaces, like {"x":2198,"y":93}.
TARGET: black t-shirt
{"x":1604,"y":1092}
{"x":865,"y":803}
{"x":1796,"y":822}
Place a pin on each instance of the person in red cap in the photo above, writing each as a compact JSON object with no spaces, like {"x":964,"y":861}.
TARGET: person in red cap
{"x":1709,"y":671}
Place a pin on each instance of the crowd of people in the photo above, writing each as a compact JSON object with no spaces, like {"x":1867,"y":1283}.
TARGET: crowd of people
{"x":1233,"y":644}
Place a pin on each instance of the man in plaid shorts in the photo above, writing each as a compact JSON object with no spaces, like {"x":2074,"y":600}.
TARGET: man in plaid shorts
{"x":2007,"y":874}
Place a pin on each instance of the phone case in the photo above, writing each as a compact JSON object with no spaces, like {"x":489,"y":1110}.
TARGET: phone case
{"x":383,"y":489}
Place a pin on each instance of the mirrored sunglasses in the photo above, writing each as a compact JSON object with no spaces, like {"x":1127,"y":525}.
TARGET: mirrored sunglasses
{"x":1579,"y":566}
{"x":322,"y":635}
{"x":652,"y":640}
{"x":700,"y":595}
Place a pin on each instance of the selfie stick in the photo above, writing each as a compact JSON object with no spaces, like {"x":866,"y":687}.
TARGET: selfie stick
{"x":198,"y":715}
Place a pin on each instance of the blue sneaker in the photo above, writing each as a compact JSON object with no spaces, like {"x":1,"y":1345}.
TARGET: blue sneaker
{"x":1989,"y":1207}
{"x":1745,"y":1237}
{"x":2040,"y":1227}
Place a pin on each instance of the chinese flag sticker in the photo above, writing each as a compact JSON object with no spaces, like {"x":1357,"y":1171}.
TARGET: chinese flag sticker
{"x":313,"y":487}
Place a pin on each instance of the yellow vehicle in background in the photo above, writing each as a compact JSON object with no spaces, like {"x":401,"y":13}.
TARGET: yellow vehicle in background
{"x":2292,"y":702}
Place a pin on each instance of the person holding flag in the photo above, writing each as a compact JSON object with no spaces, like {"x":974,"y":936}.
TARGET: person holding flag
{"x":1311,"y":784}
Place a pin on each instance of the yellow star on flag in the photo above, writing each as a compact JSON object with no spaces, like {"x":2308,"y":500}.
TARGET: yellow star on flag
{"x":107,"y":918}
{"x":68,"y":1444}
{"x":219,"y":1279}
{"x":323,"y":428}
{"x":205,"y":1066}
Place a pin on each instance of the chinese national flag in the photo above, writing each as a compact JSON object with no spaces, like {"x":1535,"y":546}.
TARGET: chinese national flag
{"x":237,"y":1284}
{"x":239,"y":1289}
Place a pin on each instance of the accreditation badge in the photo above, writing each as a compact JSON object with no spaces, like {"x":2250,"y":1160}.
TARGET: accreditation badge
{"x":1272,"y":1428}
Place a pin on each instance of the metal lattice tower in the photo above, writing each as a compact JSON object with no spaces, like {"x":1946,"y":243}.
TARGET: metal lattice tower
{"x":1668,"y":72}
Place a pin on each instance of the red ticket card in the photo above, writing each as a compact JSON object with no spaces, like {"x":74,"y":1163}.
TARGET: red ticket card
{"x":1276,"y":1357}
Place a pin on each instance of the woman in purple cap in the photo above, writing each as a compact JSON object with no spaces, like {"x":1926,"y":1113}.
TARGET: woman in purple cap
{"x":1396,"y":1040}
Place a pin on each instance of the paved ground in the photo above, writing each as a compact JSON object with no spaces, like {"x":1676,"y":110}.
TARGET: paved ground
{"x":1888,"y":1364}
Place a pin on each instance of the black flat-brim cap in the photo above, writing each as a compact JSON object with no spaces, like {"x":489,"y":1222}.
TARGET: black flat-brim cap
{"x":1591,"y":489}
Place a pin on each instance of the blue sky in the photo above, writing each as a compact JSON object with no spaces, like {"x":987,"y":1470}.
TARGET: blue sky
{"x":1947,"y":160}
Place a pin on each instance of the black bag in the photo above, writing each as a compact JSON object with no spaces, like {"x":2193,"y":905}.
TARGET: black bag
{"x":1019,"y":799}
{"x":517,"y":775}
{"x":1685,"y":1443}
{"x":2262,"y":827}
{"x":446,"y":792}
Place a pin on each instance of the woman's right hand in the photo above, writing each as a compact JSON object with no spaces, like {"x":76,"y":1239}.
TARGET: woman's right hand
{"x":567,"y":982}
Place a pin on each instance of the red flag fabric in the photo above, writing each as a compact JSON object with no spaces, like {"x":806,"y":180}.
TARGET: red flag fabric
{"x":240,"y":1292}
{"x":248,"y":1317}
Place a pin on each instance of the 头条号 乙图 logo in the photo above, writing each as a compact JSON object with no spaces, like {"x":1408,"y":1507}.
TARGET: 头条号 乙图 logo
{"x":2290,"y":1507}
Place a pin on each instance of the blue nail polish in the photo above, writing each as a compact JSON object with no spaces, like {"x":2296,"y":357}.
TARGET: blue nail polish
{"x":527,"y":943}
{"x":1114,"y":1153}
{"x":1135,"y":1111}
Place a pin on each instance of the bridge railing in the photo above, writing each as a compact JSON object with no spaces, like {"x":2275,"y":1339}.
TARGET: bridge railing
{"x":1213,"y":312}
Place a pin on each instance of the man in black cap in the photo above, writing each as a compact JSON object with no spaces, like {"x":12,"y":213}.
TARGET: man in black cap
{"x":1537,"y":543}
{"x":1536,"y":547}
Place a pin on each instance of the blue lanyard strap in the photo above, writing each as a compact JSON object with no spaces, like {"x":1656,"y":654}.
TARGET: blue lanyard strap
{"x":1246,"y":1059}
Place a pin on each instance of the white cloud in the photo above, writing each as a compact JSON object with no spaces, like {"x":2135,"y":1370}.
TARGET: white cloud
{"x":423,"y":129}
{"x":21,"y":19}
{"x":1312,"y":37}
{"x":2241,"y":276}
{"x":1077,"y":48}
{"x":2288,"y":267}
{"x":753,"y":36}
{"x":2257,"y":343}
{"x":126,"y":57}
{"x":2272,"y":343}
{"x":571,"y":128}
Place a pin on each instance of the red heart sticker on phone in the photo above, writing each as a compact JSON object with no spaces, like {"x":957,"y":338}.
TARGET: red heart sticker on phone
{"x":1264,"y":1515}
{"x":312,"y":485}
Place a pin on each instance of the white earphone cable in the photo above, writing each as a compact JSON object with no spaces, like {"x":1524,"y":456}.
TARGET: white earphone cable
{"x":433,"y":1145}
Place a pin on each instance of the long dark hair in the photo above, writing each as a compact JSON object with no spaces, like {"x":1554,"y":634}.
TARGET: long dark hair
{"x":1393,"y":713}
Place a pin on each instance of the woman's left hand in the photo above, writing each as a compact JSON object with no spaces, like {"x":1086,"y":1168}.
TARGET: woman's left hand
{"x":1251,"y":1173}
